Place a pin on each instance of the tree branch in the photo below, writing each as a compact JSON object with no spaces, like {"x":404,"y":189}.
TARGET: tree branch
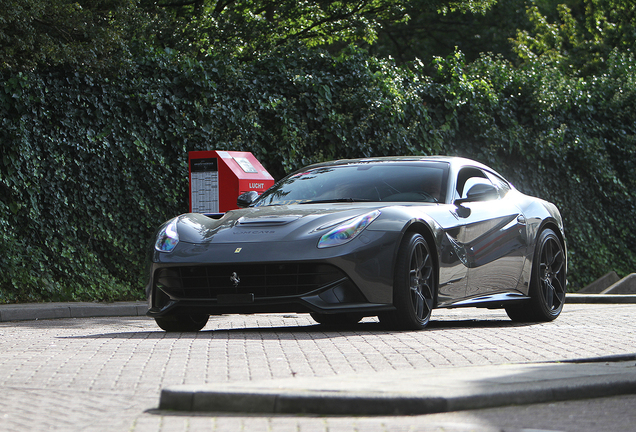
{"x":178,"y":4}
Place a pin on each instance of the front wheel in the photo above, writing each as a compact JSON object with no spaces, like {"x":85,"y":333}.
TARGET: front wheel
{"x":182,"y":322}
{"x":413,"y":286}
{"x":547,"y":282}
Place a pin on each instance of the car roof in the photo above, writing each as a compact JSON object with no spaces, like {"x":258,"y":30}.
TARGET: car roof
{"x":454,"y":161}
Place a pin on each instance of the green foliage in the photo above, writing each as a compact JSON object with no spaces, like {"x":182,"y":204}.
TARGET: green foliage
{"x":107,"y":35}
{"x":101,"y":101}
{"x":91,"y":164}
{"x":249,"y":27}
{"x":437,"y":29}
{"x":84,"y":34}
{"x":568,"y":140}
{"x":76,"y":185}
{"x":578,"y":37}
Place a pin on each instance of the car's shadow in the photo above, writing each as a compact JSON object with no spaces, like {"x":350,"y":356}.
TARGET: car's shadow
{"x":315,"y":331}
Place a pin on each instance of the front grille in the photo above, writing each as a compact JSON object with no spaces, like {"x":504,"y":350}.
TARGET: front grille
{"x":261,"y":280}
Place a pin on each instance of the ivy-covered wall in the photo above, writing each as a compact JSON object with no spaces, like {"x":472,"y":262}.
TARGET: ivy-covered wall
{"x":90,"y":165}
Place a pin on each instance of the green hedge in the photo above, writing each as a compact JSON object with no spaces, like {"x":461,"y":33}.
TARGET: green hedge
{"x":569,"y":140}
{"x":91,"y":164}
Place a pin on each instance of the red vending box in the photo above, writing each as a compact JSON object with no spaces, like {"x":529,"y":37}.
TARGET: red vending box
{"x":218,"y":177}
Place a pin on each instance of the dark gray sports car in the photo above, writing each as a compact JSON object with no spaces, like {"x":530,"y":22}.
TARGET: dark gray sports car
{"x":388,"y":237}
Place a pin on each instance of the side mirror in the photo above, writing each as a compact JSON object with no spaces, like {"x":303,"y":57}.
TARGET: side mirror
{"x":246,"y":199}
{"x":479,"y":192}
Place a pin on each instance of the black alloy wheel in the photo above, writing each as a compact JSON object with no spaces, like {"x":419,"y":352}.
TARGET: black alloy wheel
{"x":547,"y":282}
{"x":182,"y":322}
{"x":414,"y":285}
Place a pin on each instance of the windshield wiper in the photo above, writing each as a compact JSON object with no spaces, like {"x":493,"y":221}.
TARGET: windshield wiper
{"x":335,"y":200}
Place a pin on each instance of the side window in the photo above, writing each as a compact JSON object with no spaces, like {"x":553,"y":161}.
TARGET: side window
{"x":468,"y":177}
{"x":503,"y":187}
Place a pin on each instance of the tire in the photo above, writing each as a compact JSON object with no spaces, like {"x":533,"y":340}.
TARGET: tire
{"x":547,"y":282}
{"x":182,"y":322}
{"x":413,"y":286}
{"x":336,"y":320}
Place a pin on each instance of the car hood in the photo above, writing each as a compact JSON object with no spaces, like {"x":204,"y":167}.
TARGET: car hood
{"x":273,"y":223}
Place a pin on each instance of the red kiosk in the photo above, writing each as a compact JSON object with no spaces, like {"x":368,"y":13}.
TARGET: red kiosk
{"x":218,"y":177}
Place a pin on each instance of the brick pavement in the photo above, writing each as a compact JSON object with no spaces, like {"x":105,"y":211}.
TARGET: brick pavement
{"x":97,"y":374}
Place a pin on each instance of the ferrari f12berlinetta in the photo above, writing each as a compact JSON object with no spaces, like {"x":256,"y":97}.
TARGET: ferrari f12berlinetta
{"x":389,"y":237}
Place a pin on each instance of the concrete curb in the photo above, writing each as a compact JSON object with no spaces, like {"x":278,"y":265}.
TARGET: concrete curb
{"x":410,"y":392}
{"x":600,"y":298}
{"x":37,"y":311}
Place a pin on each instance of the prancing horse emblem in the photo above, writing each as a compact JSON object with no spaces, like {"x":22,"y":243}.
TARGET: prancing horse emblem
{"x":235,"y":279}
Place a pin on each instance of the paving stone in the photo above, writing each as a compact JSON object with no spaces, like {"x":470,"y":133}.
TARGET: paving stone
{"x":105,"y":374}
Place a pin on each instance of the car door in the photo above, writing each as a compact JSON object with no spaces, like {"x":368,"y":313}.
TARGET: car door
{"x":453,"y":268}
{"x":492,"y":235}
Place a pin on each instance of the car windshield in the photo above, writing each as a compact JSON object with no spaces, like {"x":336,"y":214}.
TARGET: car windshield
{"x":365,"y":181}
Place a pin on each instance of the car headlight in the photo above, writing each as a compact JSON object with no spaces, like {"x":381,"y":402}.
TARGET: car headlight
{"x":168,"y":237}
{"x":348,"y":230}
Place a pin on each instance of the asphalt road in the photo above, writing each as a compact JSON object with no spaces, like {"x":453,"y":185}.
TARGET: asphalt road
{"x":106,"y":374}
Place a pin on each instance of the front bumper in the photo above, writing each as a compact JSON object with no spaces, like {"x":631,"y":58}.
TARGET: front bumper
{"x":356,"y":277}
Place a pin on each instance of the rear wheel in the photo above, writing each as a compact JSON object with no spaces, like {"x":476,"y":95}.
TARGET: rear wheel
{"x":182,"y":322}
{"x":547,"y":282}
{"x":413,"y":286}
{"x":336,"y":320}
